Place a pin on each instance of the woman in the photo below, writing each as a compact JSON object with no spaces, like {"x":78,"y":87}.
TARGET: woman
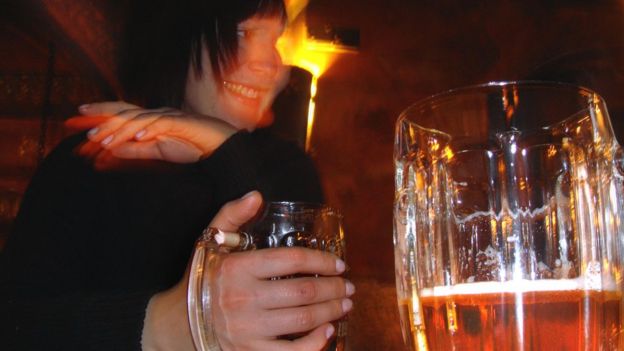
{"x":101,"y":243}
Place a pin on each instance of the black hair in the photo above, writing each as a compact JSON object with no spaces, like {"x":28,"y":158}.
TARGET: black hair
{"x":162,"y":37}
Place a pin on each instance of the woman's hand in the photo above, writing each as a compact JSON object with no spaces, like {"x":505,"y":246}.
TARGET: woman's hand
{"x":128,"y":131}
{"x":166,"y":325}
{"x":250,"y":311}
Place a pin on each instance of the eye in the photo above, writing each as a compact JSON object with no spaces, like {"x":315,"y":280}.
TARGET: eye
{"x":242,"y":33}
{"x":248,"y":33}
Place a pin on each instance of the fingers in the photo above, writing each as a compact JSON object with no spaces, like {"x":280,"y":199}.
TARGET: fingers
{"x":148,"y":150}
{"x":89,"y":149}
{"x":105,"y":161}
{"x":117,"y":131}
{"x":235,"y":213}
{"x":118,"y":112}
{"x":162,"y":148}
{"x":101,"y":118}
{"x":180,"y":137}
{"x":80,"y":123}
{"x":124,"y":126}
{"x":108,"y":108}
{"x":295,"y":320}
{"x":123,"y":121}
{"x":205,"y":133}
{"x":303,"y":291}
{"x":150,"y":130}
{"x":267,"y":263}
{"x":101,"y":159}
{"x":314,"y":341}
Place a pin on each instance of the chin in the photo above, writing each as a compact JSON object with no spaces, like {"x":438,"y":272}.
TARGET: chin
{"x":252,"y":120}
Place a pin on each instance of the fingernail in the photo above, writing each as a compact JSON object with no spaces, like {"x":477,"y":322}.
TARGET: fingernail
{"x":329,"y":331}
{"x":248,"y":194}
{"x":340,"y":266}
{"x":350,"y":288}
{"x":347,"y":305}
{"x":93,"y":132}
{"x":83,"y":108}
{"x":107,"y":140}
{"x":140,"y":134}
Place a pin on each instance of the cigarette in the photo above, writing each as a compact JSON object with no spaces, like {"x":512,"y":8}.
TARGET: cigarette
{"x":228,"y":239}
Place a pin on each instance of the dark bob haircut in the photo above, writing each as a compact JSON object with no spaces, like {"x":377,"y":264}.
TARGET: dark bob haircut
{"x":163,"y":37}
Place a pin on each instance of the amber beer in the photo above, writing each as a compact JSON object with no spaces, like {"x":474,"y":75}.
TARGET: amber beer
{"x":537,"y":315}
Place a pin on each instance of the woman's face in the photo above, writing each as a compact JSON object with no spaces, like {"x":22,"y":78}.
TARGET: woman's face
{"x":244,"y":95}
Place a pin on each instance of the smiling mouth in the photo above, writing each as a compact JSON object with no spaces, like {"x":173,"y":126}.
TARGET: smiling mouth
{"x":242,"y":90}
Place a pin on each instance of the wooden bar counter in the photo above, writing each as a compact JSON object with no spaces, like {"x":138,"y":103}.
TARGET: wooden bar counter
{"x":374,"y":321}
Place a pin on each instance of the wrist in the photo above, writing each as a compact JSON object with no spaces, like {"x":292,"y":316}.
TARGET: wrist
{"x":166,"y":324}
{"x":221,"y":132}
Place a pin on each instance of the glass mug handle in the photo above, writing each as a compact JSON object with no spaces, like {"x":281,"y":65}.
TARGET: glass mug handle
{"x":209,"y":248}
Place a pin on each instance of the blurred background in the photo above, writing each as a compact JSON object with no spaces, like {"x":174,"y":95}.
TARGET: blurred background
{"x":357,"y":64}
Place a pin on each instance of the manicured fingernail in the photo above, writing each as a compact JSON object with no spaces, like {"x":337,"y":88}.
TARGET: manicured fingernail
{"x":347,"y":305}
{"x":107,"y":140}
{"x":350,"y":288}
{"x":329,"y":331}
{"x":83,"y":108}
{"x":141,"y":133}
{"x":93,"y":132}
{"x":248,"y":194}
{"x":340,"y":266}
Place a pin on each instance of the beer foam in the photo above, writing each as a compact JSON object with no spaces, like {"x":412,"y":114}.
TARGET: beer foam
{"x":515,"y":286}
{"x":518,"y":213}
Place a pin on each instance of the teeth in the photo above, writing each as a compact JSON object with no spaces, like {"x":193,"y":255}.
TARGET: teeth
{"x":241,"y":90}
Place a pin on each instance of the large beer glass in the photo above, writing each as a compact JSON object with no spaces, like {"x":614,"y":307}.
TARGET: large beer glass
{"x":280,"y":224}
{"x":508,"y":213}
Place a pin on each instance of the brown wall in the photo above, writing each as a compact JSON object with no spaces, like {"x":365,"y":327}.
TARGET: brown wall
{"x":409,"y":50}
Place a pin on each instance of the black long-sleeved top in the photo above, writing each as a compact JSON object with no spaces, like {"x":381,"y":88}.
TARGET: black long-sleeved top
{"x":89,"y":248}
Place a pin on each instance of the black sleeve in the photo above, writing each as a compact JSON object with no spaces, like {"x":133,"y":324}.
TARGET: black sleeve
{"x":44,"y":303}
{"x":74,"y":321}
{"x":280,"y":170}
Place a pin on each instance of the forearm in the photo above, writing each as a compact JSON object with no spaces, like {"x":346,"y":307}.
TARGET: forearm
{"x":166,"y":325}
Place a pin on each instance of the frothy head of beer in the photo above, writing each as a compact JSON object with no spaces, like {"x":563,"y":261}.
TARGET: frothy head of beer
{"x":518,"y":286}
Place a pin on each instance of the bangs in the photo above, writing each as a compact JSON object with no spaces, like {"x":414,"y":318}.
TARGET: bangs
{"x":219,"y":31}
{"x":240,"y":10}
{"x":272,"y":8}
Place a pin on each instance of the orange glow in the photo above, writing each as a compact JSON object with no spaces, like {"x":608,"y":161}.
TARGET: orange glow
{"x":434,"y":145}
{"x":311,"y":108}
{"x":294,"y":8}
{"x":298,"y":50}
{"x":448,"y":153}
{"x":552,"y":151}
{"x":312,"y":55}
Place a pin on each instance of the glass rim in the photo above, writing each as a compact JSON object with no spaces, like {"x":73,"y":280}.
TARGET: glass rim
{"x":495,"y":86}
{"x":302,"y":206}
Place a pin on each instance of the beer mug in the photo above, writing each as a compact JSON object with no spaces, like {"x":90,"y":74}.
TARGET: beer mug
{"x":508,"y":211}
{"x":281,"y":224}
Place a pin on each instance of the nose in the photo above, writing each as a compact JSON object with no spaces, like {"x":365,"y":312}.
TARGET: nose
{"x":265,"y":61}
